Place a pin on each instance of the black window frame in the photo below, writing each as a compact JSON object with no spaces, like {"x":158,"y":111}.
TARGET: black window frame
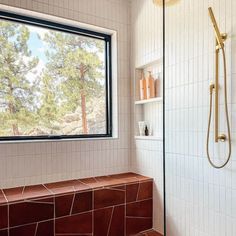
{"x":67,"y":28}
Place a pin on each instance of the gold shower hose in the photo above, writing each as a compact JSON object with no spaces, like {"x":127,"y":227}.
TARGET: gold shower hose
{"x":227,"y":117}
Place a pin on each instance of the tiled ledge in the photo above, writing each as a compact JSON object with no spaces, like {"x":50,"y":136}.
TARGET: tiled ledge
{"x":115,"y":205}
{"x":78,"y":185}
{"x":149,"y":233}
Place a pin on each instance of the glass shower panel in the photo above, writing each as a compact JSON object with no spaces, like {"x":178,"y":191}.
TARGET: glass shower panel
{"x":200,"y":199}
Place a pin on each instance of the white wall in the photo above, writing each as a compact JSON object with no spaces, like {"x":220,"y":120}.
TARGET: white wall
{"x":201,"y":201}
{"x":31,"y":163}
{"x":147,"y":157}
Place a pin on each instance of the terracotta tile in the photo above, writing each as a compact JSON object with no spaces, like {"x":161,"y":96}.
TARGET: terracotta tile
{"x":45,"y":228}
{"x":76,"y":224}
{"x":2,"y":198}
{"x":44,"y":200}
{"x":35,"y":191}
{"x":83,"y":202}
{"x":29,"y":212}
{"x":125,"y":175}
{"x":102,"y":219}
{"x":118,"y":187}
{"x":3,"y":217}
{"x":145,"y":190}
{"x":139,"y":209}
{"x":28,"y":192}
{"x":118,"y":179}
{"x":106,"y":181}
{"x":108,"y":197}
{"x":143,"y":178}
{"x":66,"y":186}
{"x":14,"y":194}
{"x":136,"y":225}
{"x":63,"y":205}
{"x":92,"y":182}
{"x":26,"y":230}
{"x":131,"y":192}
{"x":131,"y":177}
{"x":125,"y":178}
{"x":117,"y":225}
{"x":3,"y":232}
{"x":73,"y":234}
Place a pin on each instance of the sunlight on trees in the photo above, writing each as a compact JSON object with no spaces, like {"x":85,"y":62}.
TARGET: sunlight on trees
{"x":65,"y":97}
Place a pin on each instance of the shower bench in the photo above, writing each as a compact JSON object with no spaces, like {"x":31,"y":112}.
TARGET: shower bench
{"x":114,"y":205}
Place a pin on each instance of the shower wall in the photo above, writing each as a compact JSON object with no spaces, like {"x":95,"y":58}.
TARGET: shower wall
{"x":147,"y":155}
{"x":201,"y":201}
{"x":32,"y":163}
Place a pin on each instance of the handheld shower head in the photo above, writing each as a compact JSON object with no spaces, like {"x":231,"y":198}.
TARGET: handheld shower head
{"x":216,"y":28}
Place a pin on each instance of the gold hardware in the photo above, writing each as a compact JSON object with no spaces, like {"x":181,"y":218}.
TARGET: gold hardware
{"x":212,"y":87}
{"x":220,"y":39}
{"x":222,"y":137}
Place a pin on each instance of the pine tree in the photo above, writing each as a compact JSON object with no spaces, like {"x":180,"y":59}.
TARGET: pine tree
{"x":75,"y":61}
{"x":16,"y":90}
{"x":48,"y":111}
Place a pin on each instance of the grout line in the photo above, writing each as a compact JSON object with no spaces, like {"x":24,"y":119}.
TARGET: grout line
{"x":54,"y":216}
{"x":93,"y":212}
{"x":138,"y":192}
{"x":42,"y":221}
{"x":4,"y":195}
{"x":44,"y":185}
{"x":109,"y":227}
{"x":72,"y":204}
{"x":36,"y":228}
{"x":22,"y":192}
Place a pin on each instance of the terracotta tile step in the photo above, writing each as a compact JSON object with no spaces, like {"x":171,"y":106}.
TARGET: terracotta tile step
{"x":23,"y":193}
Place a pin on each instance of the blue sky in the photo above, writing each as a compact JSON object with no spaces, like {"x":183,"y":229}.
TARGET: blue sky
{"x":36,"y":45}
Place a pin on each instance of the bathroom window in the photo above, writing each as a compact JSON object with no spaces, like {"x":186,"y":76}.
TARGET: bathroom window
{"x":55,"y":80}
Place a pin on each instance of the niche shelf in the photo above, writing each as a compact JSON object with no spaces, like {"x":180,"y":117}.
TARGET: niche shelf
{"x":149,"y":110}
{"x":148,"y":137}
{"x":141,"y":102}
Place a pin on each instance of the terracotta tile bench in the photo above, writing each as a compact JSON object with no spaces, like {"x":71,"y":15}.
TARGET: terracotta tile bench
{"x":114,"y":205}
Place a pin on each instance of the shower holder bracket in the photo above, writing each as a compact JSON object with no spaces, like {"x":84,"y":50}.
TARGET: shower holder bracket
{"x":224,"y":37}
{"x":222,"y":137}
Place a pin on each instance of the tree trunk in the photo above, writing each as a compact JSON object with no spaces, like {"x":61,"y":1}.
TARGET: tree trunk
{"x":15,"y":129}
{"x":12,"y":111}
{"x":84,"y":114}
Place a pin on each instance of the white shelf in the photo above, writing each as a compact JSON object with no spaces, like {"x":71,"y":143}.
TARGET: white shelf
{"x":149,"y":64}
{"x":149,"y":138}
{"x":141,"y":102}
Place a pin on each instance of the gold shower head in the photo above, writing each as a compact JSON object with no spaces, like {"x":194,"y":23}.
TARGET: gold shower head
{"x":216,"y":28}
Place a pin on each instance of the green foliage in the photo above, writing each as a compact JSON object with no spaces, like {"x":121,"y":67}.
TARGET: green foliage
{"x":50,"y":103}
{"x":16,"y":90}
{"x":76,"y":62}
{"x":48,"y":111}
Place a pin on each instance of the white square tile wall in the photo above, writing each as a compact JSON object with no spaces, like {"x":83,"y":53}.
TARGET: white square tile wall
{"x":32,"y":163}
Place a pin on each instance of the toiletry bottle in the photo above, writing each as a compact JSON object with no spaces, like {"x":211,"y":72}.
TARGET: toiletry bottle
{"x":150,"y":86}
{"x":157,"y":83}
{"x":142,"y":88}
{"x":146,"y":131}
